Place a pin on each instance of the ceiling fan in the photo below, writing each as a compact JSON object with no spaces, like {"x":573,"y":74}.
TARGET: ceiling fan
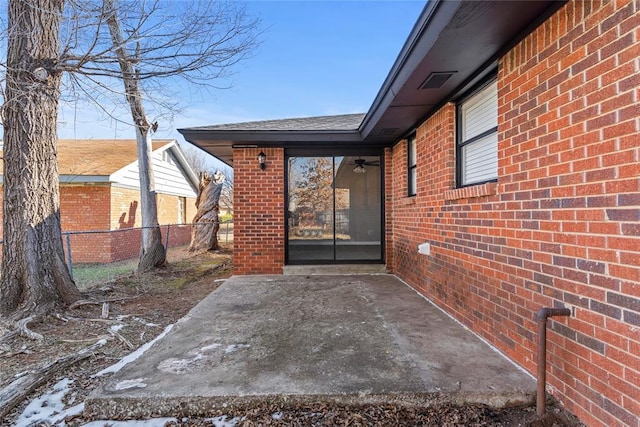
{"x":360,"y":164}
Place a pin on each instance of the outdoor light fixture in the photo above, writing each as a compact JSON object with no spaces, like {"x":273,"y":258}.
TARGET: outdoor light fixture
{"x":262,"y":158}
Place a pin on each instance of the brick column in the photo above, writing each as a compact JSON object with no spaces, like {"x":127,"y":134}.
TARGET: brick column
{"x":259,"y":212}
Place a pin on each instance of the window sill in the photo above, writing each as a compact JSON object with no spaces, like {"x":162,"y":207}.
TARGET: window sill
{"x":409,"y":200}
{"x":473,"y":191}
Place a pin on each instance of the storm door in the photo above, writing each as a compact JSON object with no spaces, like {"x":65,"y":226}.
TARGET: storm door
{"x":334,"y":209}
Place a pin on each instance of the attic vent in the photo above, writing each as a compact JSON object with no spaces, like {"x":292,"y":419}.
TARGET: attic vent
{"x":387,"y":131}
{"x":436,"y":80}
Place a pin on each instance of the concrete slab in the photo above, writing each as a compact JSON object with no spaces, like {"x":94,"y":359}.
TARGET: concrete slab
{"x":349,"y":339}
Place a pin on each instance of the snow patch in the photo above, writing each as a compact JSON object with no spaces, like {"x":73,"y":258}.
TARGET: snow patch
{"x":127,"y":384}
{"x":49,"y":408}
{"x":133,"y":356}
{"x":116,"y":328}
{"x":210,"y":347}
{"x":153,"y":422}
{"x":181,"y":366}
{"x":177,"y":366}
{"x":144,"y":322}
{"x":235,"y":347}
{"x":277,"y":415}
{"x":74,"y":410}
{"x":224,"y":421}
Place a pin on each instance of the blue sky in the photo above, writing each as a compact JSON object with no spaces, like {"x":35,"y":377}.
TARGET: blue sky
{"x":316,"y":58}
{"x":321,"y":57}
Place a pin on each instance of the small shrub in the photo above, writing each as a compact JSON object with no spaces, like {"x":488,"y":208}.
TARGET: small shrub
{"x":226,"y":217}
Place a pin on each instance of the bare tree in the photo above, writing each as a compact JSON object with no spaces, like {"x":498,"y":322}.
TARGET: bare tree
{"x":150,"y":42}
{"x":226,"y":195}
{"x":152,"y":252}
{"x":313,"y":193}
{"x":86,"y":48}
{"x":34,"y":274}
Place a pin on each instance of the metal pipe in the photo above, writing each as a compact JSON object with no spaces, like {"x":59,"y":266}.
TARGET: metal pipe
{"x":541,"y":316}
{"x":69,"y":260}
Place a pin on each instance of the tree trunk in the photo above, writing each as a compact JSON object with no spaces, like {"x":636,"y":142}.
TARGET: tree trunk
{"x":152,"y":253}
{"x":204,"y":233}
{"x":35,"y":277}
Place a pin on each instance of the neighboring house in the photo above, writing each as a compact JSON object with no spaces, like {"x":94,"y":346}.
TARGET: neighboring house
{"x":505,"y":142}
{"x":100,"y":191}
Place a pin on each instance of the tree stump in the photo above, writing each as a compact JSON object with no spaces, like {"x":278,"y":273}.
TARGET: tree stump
{"x":204,"y":231}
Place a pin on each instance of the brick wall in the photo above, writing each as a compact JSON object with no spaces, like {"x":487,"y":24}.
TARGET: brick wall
{"x":82,"y":208}
{"x":100,"y":208}
{"x":125,"y":213}
{"x":125,"y":208}
{"x":258,"y":246}
{"x":168,"y":209}
{"x":562,"y":225}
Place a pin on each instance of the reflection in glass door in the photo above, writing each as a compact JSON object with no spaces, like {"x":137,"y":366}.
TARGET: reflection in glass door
{"x":334,"y":209}
{"x":311,"y":225}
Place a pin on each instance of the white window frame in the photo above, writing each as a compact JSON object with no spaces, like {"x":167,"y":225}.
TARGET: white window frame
{"x":412,"y":166}
{"x":182,"y":210}
{"x":166,"y":157}
{"x":477,"y":136}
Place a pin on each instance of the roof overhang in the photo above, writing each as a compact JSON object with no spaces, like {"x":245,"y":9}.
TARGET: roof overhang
{"x":84,"y":179}
{"x":453,"y":45}
{"x":462,"y":38}
{"x":220,"y":143}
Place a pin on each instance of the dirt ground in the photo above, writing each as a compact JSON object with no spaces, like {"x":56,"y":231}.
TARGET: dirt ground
{"x":145,"y":305}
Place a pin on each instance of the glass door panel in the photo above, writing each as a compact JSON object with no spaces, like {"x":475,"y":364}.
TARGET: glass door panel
{"x":334,"y":209}
{"x":358,"y":209}
{"x":311,"y":226}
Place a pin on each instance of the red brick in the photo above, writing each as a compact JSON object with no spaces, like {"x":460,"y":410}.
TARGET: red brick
{"x":587,"y":154}
{"x":557,"y":228}
{"x":259,"y":196}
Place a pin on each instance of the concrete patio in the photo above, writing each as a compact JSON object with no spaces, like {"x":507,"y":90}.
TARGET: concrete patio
{"x":342,"y":338}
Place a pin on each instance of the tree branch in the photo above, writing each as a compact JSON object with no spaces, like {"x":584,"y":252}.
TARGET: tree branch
{"x":18,"y":390}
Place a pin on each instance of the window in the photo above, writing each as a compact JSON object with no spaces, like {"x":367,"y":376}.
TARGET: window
{"x":477,"y":149}
{"x":182,"y":210}
{"x":411,"y":165}
{"x":167,"y":157}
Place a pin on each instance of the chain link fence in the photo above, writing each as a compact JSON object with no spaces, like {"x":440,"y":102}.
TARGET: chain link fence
{"x":98,"y":256}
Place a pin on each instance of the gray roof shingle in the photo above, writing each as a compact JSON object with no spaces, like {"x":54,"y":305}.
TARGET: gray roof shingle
{"x":345,"y":122}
